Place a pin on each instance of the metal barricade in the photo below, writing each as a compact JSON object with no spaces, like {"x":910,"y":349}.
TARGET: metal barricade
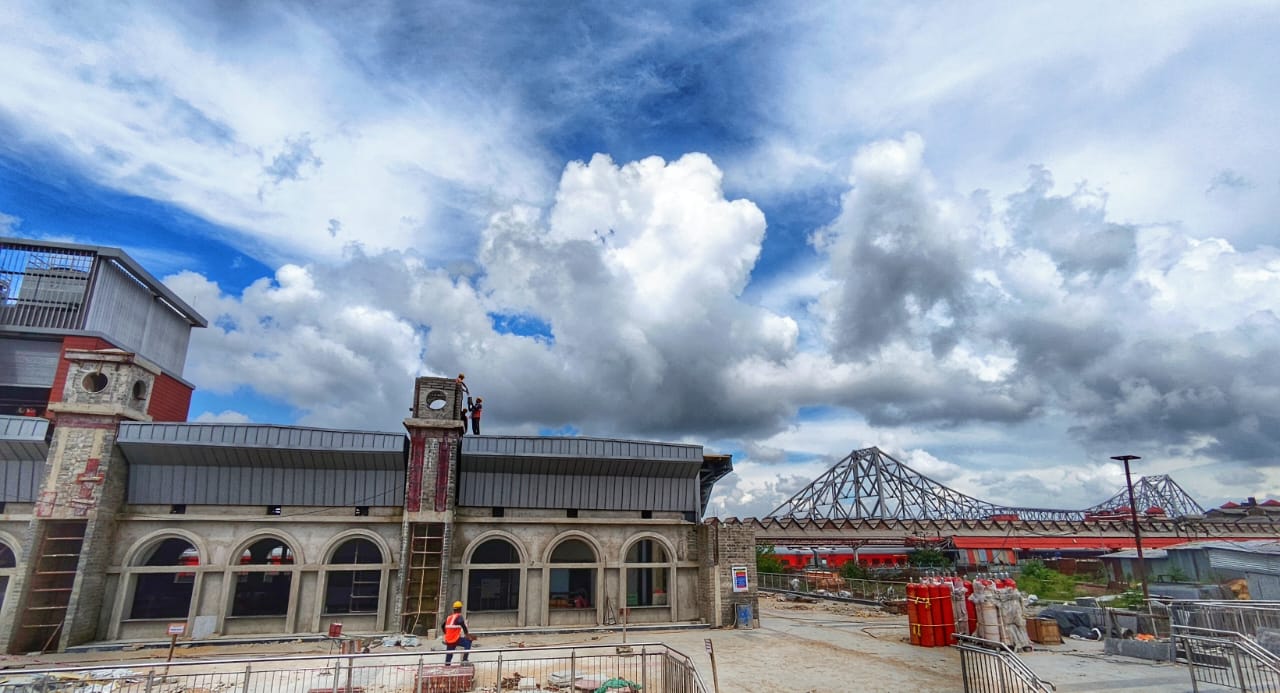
{"x":1245,"y":617}
{"x":1226,"y":658}
{"x":653,"y":667}
{"x":988,"y":666}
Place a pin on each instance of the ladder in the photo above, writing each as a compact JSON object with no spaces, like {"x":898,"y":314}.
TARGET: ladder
{"x":52,"y":578}
{"x":422,"y":588}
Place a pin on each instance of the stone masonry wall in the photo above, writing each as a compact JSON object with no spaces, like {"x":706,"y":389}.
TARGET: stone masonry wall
{"x":723,"y":547}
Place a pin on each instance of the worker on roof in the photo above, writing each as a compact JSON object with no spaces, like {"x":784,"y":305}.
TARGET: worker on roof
{"x":476,"y":408}
{"x":462,"y":383}
{"x":456,"y":634}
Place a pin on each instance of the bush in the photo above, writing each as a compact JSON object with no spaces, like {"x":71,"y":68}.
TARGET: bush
{"x":767,"y":561}
{"x":853,"y":571}
{"x":1044,"y":582}
{"x":928,"y":558}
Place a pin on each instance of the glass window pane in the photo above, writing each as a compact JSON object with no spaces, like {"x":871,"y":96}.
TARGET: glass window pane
{"x":352,"y":592}
{"x":573,"y":551}
{"x":494,"y":590}
{"x":7,"y":559}
{"x":357,"y":551}
{"x":647,"y":586}
{"x":495,"y":551}
{"x":646,"y":551}
{"x":171,"y":551}
{"x":161,"y":595}
{"x":573,"y":588}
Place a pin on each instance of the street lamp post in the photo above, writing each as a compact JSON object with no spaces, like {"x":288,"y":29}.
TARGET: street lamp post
{"x":1137,"y":531}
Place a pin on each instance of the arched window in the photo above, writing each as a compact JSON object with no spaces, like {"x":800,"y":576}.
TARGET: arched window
{"x":573,"y":579}
{"x":647,"y":574}
{"x":353,"y":591}
{"x":263,"y":591}
{"x":164,"y":577}
{"x":494,"y":582}
{"x":8,"y":565}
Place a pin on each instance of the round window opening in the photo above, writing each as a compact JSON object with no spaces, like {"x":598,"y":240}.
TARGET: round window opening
{"x":95,"y":382}
{"x":436,"y":400}
{"x":140,"y":389}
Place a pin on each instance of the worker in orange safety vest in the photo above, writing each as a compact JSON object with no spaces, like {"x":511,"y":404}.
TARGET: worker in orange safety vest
{"x":456,"y":634}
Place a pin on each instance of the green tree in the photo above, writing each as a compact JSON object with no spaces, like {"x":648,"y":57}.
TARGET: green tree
{"x":767,"y":561}
{"x":853,"y":571}
{"x":928,"y":558}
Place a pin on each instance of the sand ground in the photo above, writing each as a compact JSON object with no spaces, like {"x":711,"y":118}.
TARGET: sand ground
{"x":799,"y":648}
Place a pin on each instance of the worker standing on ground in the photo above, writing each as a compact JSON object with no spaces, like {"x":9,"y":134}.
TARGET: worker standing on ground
{"x":475,"y":415}
{"x":456,"y":634}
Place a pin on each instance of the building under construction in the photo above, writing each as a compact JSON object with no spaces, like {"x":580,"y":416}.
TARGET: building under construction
{"x":119,"y":518}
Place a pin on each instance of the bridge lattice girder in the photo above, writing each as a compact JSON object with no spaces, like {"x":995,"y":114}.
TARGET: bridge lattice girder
{"x":871,"y":484}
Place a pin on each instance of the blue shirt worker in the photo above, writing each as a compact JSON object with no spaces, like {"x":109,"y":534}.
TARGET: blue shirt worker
{"x":456,"y":634}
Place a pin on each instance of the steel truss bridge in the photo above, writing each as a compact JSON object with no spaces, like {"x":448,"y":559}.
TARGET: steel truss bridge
{"x":869,"y":484}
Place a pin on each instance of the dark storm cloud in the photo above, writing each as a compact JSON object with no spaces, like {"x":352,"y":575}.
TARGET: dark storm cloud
{"x":895,"y":260}
{"x":1220,"y":393}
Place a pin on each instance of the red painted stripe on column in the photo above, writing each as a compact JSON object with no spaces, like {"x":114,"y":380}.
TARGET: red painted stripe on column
{"x":413,"y":499}
{"x":442,"y":475}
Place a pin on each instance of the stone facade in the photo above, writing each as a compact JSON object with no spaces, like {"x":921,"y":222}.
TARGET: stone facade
{"x":683,"y":574}
{"x":727,"y":546}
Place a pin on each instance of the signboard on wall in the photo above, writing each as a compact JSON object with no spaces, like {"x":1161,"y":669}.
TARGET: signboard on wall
{"x":740,"y":578}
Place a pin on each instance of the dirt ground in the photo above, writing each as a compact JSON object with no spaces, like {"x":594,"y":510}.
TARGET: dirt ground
{"x":799,"y":648}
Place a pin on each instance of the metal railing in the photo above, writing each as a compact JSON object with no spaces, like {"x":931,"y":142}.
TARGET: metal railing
{"x":651,"y":667}
{"x":846,"y":588}
{"x":1226,"y":658}
{"x":1246,"y":617}
{"x":988,"y":666}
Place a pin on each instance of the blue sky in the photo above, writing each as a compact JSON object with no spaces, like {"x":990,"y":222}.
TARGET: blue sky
{"x":1002,"y":242}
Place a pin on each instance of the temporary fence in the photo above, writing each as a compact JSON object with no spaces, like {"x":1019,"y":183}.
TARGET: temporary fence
{"x":1227,"y":658}
{"x":833,"y":586}
{"x":988,"y":666}
{"x":649,"y":667}
{"x":1245,"y":617}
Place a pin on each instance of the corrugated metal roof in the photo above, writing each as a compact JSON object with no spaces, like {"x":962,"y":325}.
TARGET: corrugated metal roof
{"x":257,"y":445}
{"x":23,"y":451}
{"x":1147,"y":554}
{"x":583,"y":448}
{"x":264,"y":436}
{"x":23,"y":428}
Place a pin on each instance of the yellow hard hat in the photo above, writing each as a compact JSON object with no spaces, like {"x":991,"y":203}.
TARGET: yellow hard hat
{"x":457,"y":605}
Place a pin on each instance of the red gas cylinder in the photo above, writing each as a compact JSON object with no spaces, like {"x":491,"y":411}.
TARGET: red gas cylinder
{"x":941,"y":609}
{"x":913,"y":615}
{"x":925,"y":614}
{"x":948,"y":615}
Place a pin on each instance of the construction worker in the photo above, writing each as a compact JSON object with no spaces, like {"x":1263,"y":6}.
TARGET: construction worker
{"x":456,"y":634}
{"x":476,"y":409}
{"x":462,"y":383}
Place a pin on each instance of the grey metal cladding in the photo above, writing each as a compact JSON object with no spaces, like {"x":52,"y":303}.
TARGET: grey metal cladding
{"x":28,"y":362}
{"x":32,"y":429}
{"x":22,"y":457}
{"x":129,"y":312}
{"x":164,"y":484}
{"x":590,"y":448}
{"x":249,"y":464}
{"x":594,"y":492}
{"x":261,"y":436}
